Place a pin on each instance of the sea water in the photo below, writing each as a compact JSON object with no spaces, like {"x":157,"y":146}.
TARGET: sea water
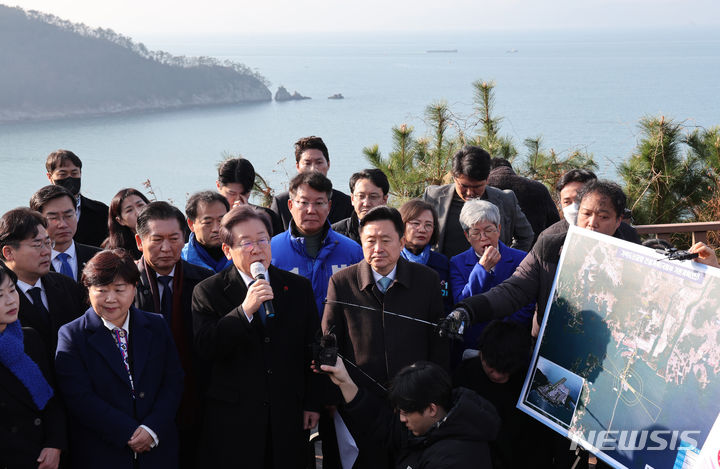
{"x":576,"y":90}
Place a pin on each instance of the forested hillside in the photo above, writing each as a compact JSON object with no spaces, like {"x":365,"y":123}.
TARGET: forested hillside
{"x":55,"y":68}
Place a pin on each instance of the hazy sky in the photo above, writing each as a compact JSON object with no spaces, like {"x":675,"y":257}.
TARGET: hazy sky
{"x":138,"y":18}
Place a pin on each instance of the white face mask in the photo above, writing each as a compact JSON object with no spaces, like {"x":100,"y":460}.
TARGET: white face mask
{"x":571,"y":212}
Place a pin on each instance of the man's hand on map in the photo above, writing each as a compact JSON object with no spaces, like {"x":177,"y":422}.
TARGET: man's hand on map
{"x":706,"y":255}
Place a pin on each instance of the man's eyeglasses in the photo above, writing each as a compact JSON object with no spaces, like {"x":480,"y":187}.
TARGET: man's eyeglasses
{"x":39,"y":245}
{"x":304,"y":204}
{"x":477,"y":234}
{"x":248,"y":245}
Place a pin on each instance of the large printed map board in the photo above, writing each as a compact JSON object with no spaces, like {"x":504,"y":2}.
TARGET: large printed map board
{"x":627,"y":361}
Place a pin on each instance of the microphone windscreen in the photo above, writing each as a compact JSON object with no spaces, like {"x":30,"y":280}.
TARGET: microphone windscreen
{"x":256,"y":268}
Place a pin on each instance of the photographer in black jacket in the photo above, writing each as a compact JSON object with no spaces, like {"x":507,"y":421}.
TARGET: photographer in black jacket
{"x":446,"y":428}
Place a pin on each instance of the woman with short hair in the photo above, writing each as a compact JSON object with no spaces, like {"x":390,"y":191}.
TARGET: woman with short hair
{"x":119,"y":373}
{"x":488,"y":262}
{"x":32,"y":421}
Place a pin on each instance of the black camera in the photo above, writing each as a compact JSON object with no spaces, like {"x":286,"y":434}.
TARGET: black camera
{"x":325,"y":350}
{"x":674,"y":254}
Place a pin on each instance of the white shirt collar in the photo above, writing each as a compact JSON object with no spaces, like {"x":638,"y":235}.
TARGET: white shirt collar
{"x":248,"y":279}
{"x":69,"y":251}
{"x":391,"y":275}
{"x":171,"y":274}
{"x":77,"y":207}
{"x":111,"y":326}
{"x":24,"y":287}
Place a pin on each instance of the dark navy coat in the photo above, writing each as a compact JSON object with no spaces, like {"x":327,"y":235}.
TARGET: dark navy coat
{"x":96,"y":388}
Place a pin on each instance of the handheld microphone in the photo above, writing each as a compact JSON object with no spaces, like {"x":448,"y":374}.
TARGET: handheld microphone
{"x":257,"y":270}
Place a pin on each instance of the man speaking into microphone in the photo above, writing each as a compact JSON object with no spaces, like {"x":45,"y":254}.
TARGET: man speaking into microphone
{"x":257,"y":270}
{"x":254,"y":323}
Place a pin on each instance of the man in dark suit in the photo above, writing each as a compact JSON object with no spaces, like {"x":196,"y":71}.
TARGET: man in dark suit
{"x":64,"y":168}
{"x":471,"y":167}
{"x":165,"y":287}
{"x":311,"y":154}
{"x":369,"y":188}
{"x":379,"y":344}
{"x":261,"y":396}
{"x":48,"y":300}
{"x":57,"y":205}
{"x":534,"y":198}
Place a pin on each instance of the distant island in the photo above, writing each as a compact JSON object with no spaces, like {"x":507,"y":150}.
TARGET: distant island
{"x":282,"y":94}
{"x":52,"y":68}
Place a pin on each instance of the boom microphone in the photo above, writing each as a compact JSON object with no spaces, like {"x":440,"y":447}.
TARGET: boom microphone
{"x":257,"y":270}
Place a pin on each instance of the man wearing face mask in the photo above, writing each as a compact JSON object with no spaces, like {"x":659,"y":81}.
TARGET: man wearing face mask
{"x":567,"y":188}
{"x":64,"y":169}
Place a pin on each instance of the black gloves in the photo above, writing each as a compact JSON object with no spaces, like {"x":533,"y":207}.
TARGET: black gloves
{"x":453,"y":326}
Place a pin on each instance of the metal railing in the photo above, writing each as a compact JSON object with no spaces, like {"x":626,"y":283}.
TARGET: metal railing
{"x":699,"y":230}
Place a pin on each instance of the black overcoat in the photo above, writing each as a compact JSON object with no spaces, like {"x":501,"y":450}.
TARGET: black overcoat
{"x":66,"y":301}
{"x":260,"y":380}
{"x":24,"y":429}
{"x":92,"y":228}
